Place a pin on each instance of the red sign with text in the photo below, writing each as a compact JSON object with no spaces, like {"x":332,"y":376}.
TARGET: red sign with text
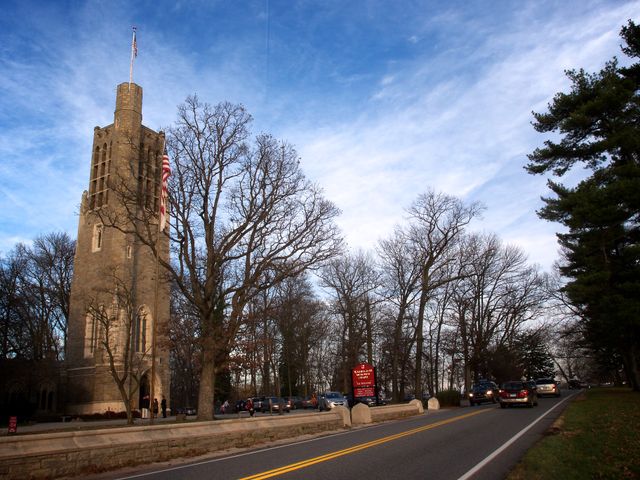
{"x":363,"y":376}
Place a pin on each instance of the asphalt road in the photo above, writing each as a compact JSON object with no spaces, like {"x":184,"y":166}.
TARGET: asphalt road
{"x":482,"y":442}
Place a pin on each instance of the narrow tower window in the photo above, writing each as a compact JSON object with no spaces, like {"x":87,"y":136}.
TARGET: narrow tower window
{"x":98,"y":234}
{"x":140,"y":332}
{"x":90,"y":335}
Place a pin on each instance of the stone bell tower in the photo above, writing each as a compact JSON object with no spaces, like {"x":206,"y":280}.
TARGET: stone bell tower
{"x":119,"y":298}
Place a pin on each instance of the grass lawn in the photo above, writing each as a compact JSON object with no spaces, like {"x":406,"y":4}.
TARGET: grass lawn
{"x":597,"y":437}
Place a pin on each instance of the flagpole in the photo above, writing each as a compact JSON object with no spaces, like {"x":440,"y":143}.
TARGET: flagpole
{"x":134,"y":54}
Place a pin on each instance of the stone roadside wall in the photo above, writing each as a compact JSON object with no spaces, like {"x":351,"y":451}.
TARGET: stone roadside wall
{"x":391,"y":412}
{"x":52,"y":455}
{"x":67,"y":454}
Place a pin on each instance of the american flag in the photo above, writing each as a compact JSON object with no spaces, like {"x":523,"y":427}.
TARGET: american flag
{"x":134,"y":45}
{"x":166,"y":171}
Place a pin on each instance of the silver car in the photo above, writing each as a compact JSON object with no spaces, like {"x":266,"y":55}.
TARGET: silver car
{"x":329,"y":400}
{"x":547,"y":386}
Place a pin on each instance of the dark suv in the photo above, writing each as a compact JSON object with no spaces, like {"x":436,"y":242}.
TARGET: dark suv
{"x":483,"y":392}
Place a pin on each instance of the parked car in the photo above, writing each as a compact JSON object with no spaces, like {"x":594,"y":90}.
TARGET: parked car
{"x":257,"y":403}
{"x":350,"y":401}
{"x":518,"y":393}
{"x":484,"y":391}
{"x":547,"y":386}
{"x":274,"y":404}
{"x":576,"y":384}
{"x":309,"y":402}
{"x":240,"y":405}
{"x":329,"y":400}
{"x":295,"y":402}
{"x":369,"y":401}
{"x":187,"y":410}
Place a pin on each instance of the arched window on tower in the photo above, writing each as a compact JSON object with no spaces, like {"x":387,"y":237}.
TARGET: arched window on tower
{"x":98,"y":237}
{"x":47,"y":396}
{"x":140,"y":331}
{"x":93,"y":183}
{"x":91,"y":334}
{"x":99,"y":183}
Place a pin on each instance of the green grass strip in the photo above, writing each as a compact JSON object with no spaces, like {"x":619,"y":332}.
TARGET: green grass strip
{"x":598,"y":437}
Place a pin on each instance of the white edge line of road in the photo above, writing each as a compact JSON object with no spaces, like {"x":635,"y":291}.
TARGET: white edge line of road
{"x":506,"y":445}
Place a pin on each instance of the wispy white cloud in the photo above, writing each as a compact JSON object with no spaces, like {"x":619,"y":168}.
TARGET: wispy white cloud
{"x":463,"y":135}
{"x":381,"y":104}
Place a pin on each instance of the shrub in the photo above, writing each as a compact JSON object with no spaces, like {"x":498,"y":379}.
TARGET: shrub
{"x":449,"y":398}
{"x":107,"y":415}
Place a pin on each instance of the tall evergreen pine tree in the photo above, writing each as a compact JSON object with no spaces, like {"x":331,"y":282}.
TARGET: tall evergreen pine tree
{"x":599,"y":124}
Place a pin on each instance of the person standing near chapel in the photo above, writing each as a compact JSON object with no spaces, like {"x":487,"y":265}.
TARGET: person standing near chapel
{"x":163,"y":407}
{"x":144,"y":405}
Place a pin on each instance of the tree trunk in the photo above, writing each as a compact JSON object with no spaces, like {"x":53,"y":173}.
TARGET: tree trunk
{"x":420,"y":345}
{"x":369,"y":331}
{"x":207,"y":381}
{"x":630,"y":363}
{"x":395,"y":356}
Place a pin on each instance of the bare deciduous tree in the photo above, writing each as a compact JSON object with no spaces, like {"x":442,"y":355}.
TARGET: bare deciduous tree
{"x":243,"y":219}
{"x":53,"y":254}
{"x":437,"y":223}
{"x":351,"y":280}
{"x":568,"y":343}
{"x":495,"y":297}
{"x":400,"y":281}
{"x":183,"y":332}
{"x":298,"y":316}
{"x":34,"y":298}
{"x":118,"y":327}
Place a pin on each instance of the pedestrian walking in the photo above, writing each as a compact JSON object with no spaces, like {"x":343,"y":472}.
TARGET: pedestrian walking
{"x":163,"y":406}
{"x":250,"y":407}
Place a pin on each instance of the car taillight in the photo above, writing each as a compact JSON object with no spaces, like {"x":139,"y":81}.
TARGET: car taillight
{"x":523,"y":393}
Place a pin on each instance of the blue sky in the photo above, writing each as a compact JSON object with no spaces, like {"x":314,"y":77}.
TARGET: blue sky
{"x":382,"y":99}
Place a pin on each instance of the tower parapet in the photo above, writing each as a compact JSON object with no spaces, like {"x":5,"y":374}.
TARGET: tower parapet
{"x":128,"y":113}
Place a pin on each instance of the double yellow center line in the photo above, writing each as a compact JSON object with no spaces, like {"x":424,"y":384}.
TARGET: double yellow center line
{"x":330,"y":456}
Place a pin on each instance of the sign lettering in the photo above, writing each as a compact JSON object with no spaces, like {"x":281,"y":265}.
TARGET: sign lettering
{"x":13,"y":424}
{"x":363,"y":376}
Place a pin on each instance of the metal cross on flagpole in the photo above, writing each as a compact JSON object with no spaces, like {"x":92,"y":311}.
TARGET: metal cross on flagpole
{"x":134,"y":54}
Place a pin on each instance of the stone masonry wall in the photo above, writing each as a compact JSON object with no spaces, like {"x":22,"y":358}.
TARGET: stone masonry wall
{"x":52,"y":455}
{"x":67,"y":454}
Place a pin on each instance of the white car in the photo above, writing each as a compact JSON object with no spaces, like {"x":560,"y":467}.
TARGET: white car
{"x":329,"y":400}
